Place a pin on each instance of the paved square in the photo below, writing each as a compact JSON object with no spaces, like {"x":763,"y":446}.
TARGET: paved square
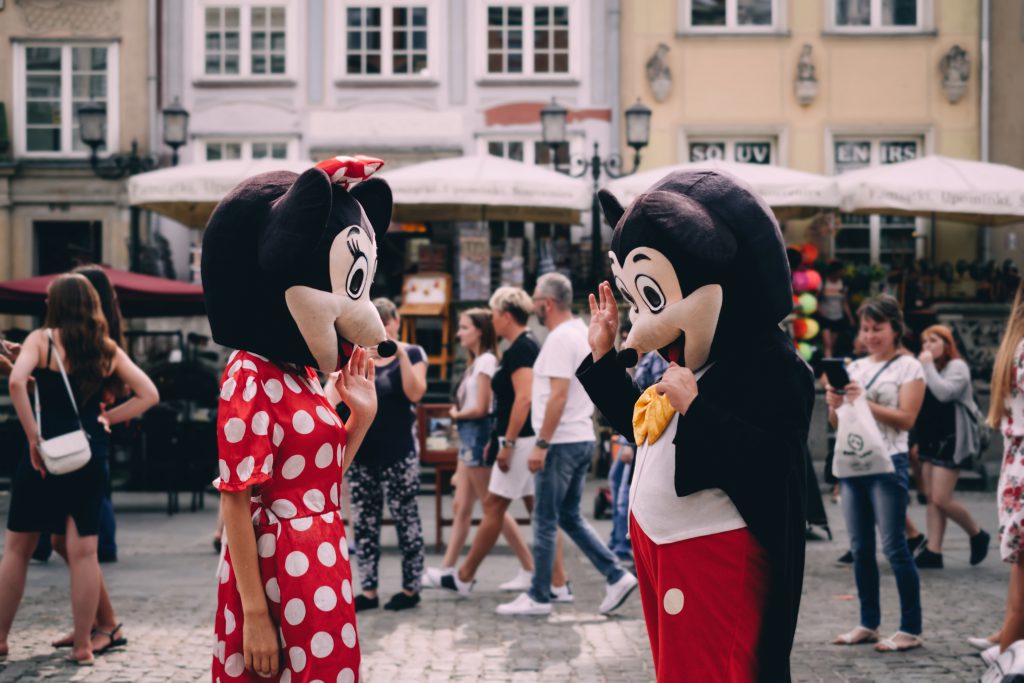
{"x":163,"y":588}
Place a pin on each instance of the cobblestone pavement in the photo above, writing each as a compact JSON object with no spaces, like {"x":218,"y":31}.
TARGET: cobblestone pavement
{"x":163,"y":588}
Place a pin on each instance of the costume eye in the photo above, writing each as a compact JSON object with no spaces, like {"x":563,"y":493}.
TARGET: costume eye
{"x":625,"y":294}
{"x":650,"y":292}
{"x":357,"y":276}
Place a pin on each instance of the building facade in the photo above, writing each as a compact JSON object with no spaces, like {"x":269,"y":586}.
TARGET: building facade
{"x":55,"y":56}
{"x":817,"y":85}
{"x":403,"y":80}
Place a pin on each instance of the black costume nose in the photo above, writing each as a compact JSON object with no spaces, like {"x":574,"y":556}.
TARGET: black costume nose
{"x":628,"y":358}
{"x":387,"y":348}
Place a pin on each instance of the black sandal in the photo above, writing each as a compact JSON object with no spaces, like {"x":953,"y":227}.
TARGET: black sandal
{"x":114,"y":642}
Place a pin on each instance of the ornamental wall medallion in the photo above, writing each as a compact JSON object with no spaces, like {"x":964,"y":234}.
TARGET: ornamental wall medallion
{"x":659,"y":75}
{"x":956,"y":71}
{"x":77,"y":17}
{"x":806,"y":80}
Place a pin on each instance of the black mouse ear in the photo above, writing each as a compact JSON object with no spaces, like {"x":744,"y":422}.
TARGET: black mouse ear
{"x":296,"y":222}
{"x":374,"y":194}
{"x":611,"y":207}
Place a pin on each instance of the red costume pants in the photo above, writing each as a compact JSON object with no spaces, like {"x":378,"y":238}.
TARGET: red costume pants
{"x":703,"y":603}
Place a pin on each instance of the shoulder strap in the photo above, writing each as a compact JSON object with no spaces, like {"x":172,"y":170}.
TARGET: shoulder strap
{"x":67,"y":383}
{"x":879,"y":373}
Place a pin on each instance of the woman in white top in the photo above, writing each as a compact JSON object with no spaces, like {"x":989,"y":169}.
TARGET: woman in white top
{"x":472,"y":413}
{"x":893,"y":383}
{"x":1007,"y":413}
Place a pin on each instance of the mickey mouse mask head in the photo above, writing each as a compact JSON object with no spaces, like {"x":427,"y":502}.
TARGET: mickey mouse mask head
{"x":700,"y":260}
{"x":288,"y":261}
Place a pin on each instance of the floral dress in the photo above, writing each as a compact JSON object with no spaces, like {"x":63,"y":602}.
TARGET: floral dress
{"x":278,"y":434}
{"x":1011,"y":477}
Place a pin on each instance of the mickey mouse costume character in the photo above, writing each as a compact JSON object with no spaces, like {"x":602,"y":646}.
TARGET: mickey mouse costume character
{"x":287,"y":265}
{"x":717,"y":500}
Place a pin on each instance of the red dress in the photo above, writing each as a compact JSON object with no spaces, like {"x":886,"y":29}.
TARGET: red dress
{"x":278,"y":434}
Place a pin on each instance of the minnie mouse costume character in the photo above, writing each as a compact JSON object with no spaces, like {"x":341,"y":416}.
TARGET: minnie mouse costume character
{"x":717,"y":501}
{"x":287,"y":265}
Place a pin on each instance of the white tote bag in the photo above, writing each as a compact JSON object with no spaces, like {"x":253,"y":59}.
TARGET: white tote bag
{"x":860,"y":449}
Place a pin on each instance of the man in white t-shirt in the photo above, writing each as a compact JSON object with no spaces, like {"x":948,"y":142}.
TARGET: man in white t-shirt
{"x":562,"y":417}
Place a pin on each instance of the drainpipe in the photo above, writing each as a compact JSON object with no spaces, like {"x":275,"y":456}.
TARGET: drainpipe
{"x":984,"y":244}
{"x":614,"y":67}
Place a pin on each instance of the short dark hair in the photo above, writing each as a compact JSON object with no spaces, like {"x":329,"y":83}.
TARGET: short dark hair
{"x":884,"y":309}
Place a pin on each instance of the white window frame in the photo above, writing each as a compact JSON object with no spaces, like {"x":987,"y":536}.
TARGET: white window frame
{"x":925,"y":20}
{"x":435,"y":21}
{"x":529,"y":139}
{"x":924,"y":137}
{"x":732,"y":25}
{"x":291,"y":27}
{"x":577,"y":20}
{"x":247,"y":143}
{"x":20,"y":114}
{"x":777,"y":136}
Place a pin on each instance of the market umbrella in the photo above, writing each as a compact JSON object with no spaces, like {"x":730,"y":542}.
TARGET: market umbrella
{"x":486,"y":187}
{"x":140,"y":296}
{"x":936,"y":187}
{"x":189,"y":193}
{"x":788,"y":192}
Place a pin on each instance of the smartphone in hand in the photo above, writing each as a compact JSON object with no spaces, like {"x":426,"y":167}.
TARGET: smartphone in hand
{"x":835,"y":372}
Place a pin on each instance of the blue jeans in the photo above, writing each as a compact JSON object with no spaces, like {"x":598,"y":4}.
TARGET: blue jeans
{"x":882,"y":499}
{"x":618,"y":478}
{"x":559,"y":491}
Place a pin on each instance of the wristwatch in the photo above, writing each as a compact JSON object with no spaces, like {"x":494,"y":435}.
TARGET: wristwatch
{"x":506,"y":443}
{"x":542,"y":444}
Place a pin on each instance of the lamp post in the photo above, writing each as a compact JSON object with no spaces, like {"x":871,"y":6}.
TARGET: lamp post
{"x":92,"y":128}
{"x":638,"y":130}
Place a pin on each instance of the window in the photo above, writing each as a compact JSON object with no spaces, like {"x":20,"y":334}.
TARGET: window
{"x":507,"y":149}
{"x":223,"y":150}
{"x":529,"y":39}
{"x":729,"y":15}
{"x":52,"y":82}
{"x":387,"y":39}
{"x":529,"y":151}
{"x":878,"y":15}
{"x":244,"y":40}
{"x":874,"y":239}
{"x":741,"y":150}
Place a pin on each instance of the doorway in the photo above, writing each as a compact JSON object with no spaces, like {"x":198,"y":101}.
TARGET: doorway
{"x":63,"y":245}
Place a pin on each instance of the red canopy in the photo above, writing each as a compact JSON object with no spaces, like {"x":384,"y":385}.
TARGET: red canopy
{"x":141,"y":296}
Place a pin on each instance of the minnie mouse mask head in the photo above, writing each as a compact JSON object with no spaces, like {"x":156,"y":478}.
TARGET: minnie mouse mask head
{"x":288,"y":261}
{"x":700,"y":260}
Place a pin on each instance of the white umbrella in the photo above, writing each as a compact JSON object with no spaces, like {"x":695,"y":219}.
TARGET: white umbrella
{"x":937,"y":187}
{"x":486,"y":187}
{"x":781,"y":188}
{"x":189,"y":193}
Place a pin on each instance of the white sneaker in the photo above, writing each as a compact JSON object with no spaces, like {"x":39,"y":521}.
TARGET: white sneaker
{"x":432,"y":576}
{"x":562,"y":594}
{"x":451,"y":582}
{"x":519,"y":583}
{"x":524,"y":605}
{"x":980,"y":643}
{"x":616,"y":593}
{"x":990,"y":655}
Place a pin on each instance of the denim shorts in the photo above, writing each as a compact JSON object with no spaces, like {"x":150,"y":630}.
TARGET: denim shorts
{"x":473,"y":438}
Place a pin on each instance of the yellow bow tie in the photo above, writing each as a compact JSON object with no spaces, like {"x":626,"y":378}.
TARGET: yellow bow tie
{"x":651,"y":416}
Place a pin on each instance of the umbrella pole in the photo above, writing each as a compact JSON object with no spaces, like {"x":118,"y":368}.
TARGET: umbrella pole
{"x":931,"y":247}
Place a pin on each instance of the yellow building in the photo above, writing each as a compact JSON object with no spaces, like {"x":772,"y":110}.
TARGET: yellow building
{"x":817,"y":85}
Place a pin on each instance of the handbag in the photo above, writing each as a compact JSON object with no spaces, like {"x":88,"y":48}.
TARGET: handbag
{"x":860,"y":449}
{"x":68,"y":452}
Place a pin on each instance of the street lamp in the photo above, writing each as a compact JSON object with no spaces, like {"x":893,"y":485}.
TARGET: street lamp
{"x":92,"y":129}
{"x":638,"y":132}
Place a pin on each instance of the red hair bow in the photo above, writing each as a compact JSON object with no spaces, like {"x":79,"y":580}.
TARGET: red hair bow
{"x":347,"y":170}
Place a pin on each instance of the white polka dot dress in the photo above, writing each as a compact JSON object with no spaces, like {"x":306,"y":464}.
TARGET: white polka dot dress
{"x":276,"y":435}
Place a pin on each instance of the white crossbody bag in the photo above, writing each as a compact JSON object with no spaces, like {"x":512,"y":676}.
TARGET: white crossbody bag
{"x":68,"y":452}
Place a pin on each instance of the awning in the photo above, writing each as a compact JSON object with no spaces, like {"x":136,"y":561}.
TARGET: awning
{"x":140,"y":296}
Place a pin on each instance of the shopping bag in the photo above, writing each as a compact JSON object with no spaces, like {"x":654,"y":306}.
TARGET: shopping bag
{"x":860,"y":449}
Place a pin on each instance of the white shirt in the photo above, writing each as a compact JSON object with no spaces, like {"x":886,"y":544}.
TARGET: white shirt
{"x":469,"y":388}
{"x":665,"y":516}
{"x":564,"y":349}
{"x":886,"y":391}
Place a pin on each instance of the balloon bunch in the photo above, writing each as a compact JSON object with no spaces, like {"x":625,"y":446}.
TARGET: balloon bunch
{"x":806,"y":284}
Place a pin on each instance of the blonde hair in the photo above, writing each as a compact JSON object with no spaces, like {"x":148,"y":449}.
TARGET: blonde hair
{"x":1002,"y":372}
{"x":514,"y":301}
{"x":386,"y":309}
